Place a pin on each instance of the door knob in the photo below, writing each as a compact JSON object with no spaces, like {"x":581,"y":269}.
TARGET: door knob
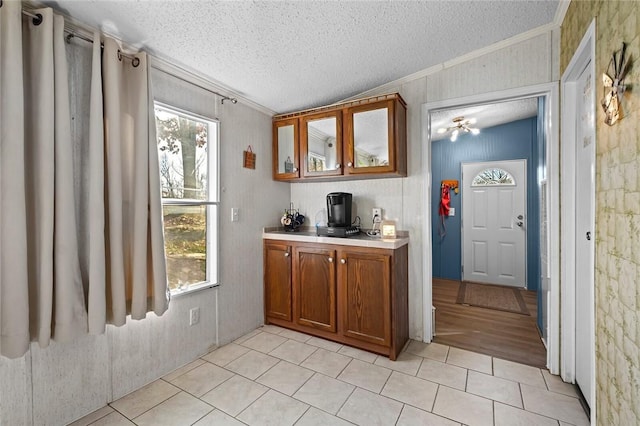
{"x":295,"y":169}
{"x":350,"y":164}
{"x":286,"y":254}
{"x":330,"y":260}
{"x":343,"y":261}
{"x":337,"y":166}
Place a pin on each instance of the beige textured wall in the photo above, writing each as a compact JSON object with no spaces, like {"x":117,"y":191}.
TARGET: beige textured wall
{"x":617,"y":212}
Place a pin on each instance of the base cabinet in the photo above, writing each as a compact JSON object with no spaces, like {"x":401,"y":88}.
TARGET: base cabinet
{"x":352,"y":295}
{"x":366,"y":293}
{"x":277,"y":281}
{"x":315,"y":288}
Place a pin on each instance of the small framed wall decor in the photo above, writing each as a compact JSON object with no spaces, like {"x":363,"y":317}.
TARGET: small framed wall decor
{"x":249,"y":158}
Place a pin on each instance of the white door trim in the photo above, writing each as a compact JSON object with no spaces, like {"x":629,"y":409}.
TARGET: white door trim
{"x":584,"y":56}
{"x":550,"y":92}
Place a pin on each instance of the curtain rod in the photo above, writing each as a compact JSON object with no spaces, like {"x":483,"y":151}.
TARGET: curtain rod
{"x":37,"y":20}
{"x":220,"y":95}
{"x":135,"y":61}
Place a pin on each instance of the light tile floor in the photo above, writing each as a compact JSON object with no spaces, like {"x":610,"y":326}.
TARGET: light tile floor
{"x":274,"y":376}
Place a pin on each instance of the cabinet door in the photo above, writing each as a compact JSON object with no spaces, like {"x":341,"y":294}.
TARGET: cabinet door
{"x":321,"y":144}
{"x":369,"y":138}
{"x":315,"y":288}
{"x":365,"y":294}
{"x":285,"y":149}
{"x":277,"y":281}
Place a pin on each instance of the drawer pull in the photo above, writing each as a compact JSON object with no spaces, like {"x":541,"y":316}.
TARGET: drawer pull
{"x":330,"y":260}
{"x":343,"y":261}
{"x":286,"y":254}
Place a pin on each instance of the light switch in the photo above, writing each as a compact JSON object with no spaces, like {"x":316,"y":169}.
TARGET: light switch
{"x":234,"y":214}
{"x":452,"y":211}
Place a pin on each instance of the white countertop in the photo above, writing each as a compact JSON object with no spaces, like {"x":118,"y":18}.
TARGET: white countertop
{"x":309,"y":236}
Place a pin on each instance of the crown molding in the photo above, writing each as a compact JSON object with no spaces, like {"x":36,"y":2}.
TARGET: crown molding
{"x":561,"y":12}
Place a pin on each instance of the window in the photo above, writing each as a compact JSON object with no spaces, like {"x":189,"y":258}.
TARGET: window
{"x":188,"y":157}
{"x":493,"y":177}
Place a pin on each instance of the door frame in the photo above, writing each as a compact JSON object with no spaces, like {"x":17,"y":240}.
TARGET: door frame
{"x":526,"y":205}
{"x":585,"y":55}
{"x":550,"y":92}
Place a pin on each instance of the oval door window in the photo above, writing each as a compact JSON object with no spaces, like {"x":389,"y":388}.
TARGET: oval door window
{"x":493,"y":177}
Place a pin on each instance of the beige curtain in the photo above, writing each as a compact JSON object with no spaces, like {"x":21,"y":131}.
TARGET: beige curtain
{"x":14,"y":292}
{"x":136,"y":271}
{"x":41,"y":288}
{"x":42,"y":293}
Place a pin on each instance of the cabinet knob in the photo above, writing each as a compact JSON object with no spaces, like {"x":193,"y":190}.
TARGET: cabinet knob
{"x":295,"y":169}
{"x":350,"y":164}
{"x":286,"y":254}
{"x":330,"y":260}
{"x":337,"y":166}
{"x":343,"y":261}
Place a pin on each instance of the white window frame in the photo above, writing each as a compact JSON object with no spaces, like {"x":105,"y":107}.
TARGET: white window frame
{"x":212,"y":203}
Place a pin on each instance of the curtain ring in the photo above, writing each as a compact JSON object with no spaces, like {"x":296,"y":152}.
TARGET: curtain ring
{"x":37,"y":20}
{"x":119,"y":55}
{"x":135,"y":62}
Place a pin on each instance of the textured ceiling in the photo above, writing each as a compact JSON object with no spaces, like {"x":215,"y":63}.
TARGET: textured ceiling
{"x":291,"y":55}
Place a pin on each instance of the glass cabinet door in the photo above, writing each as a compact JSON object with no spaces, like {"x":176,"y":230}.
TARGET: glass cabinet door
{"x":285,"y":149}
{"x":321,"y":144}
{"x":370,"y":138}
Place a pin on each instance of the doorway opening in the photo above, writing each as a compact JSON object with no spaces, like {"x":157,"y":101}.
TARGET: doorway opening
{"x":443,"y":264}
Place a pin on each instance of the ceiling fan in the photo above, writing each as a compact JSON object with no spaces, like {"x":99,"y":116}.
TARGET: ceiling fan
{"x":460,"y":125}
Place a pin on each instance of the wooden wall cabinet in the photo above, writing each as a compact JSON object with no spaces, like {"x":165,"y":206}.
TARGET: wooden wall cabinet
{"x":286,"y":148}
{"x":365,"y":138}
{"x":352,"y":295}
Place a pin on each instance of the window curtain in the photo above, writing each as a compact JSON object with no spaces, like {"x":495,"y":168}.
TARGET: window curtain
{"x":42,"y":292}
{"x":136,"y":270}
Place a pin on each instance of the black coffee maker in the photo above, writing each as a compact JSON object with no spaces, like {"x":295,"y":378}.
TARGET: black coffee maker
{"x":339,"y":209}
{"x":339,"y":216}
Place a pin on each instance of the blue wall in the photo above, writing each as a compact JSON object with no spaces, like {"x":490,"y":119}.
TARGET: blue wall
{"x":516,"y":140}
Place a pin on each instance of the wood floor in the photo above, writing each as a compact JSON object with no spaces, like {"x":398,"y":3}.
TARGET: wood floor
{"x":505,"y":335}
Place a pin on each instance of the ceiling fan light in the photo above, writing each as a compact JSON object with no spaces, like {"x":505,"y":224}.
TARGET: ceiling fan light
{"x":454,"y":135}
{"x":471,"y":121}
{"x":442,"y":130}
{"x":475,"y":131}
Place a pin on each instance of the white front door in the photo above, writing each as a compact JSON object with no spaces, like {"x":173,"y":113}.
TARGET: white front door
{"x":493,"y":222}
{"x":585,"y":211}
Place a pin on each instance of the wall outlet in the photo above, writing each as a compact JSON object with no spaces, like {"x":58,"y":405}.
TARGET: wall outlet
{"x":452,"y":211}
{"x":376,"y":214}
{"x":235,"y":214}
{"x":194,"y":316}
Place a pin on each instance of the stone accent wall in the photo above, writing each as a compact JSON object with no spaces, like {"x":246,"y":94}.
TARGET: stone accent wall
{"x":617,"y":276}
